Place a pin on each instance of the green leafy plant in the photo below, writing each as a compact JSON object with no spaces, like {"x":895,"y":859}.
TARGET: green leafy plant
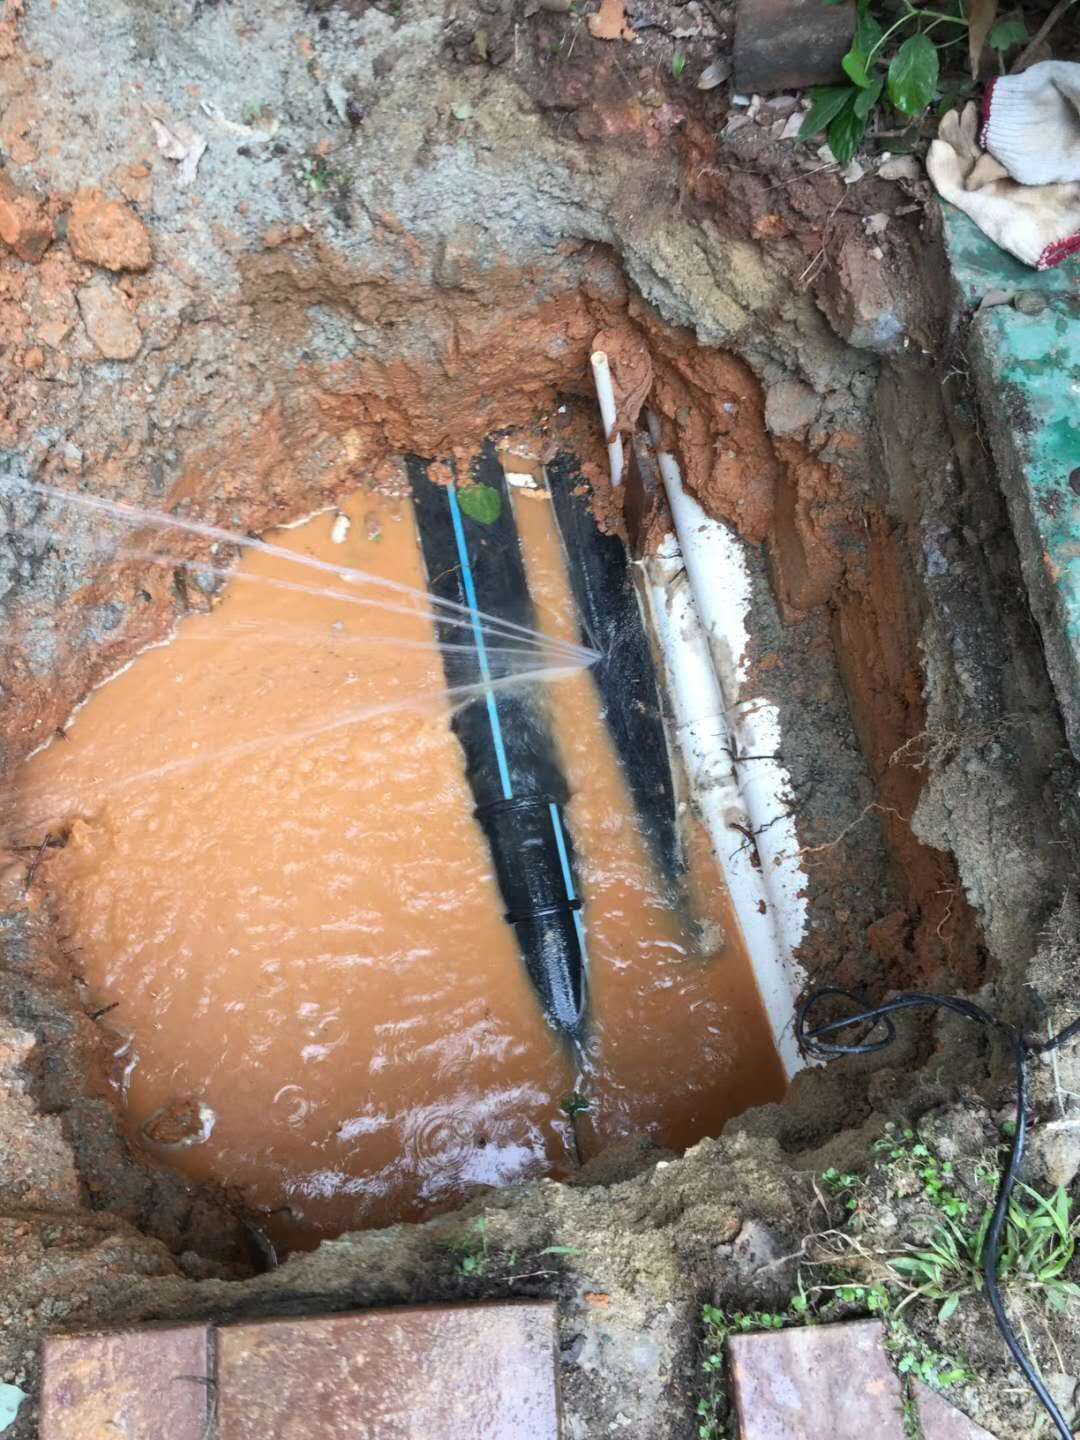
{"x":905,"y":71}
{"x":474,"y":1260}
{"x":1038,"y":1245}
{"x":678,"y":64}
{"x":482,"y":503}
{"x":1007,"y":33}
{"x":915,"y":1358}
{"x":321,"y":177}
{"x":842,"y":1184}
{"x":936,"y":1175}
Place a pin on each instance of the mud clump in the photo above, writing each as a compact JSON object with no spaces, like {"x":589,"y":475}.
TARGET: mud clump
{"x":108,"y":233}
{"x":109,"y":322}
{"x":24,"y":225}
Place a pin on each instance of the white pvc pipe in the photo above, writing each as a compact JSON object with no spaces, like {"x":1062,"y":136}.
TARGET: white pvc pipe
{"x":605,"y":394}
{"x":719,"y":581}
{"x":706,"y":744}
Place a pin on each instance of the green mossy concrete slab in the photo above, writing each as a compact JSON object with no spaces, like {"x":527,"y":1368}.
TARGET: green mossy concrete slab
{"x":1025,"y":359}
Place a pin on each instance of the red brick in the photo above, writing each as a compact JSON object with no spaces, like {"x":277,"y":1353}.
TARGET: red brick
{"x":467,"y":1372}
{"x":942,"y":1421}
{"x":139,"y":1384}
{"x":832,"y":1380}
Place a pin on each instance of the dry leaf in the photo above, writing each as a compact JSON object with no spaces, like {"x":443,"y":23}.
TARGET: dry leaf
{"x":610,"y":22}
{"x":981,"y":16}
{"x":167,"y":142}
{"x":187,"y":148}
{"x":259,"y":133}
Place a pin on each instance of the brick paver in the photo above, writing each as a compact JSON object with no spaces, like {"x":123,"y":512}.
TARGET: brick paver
{"x":468,"y":1372}
{"x":127,"y":1385}
{"x":821,"y":1380}
{"x":942,"y":1421}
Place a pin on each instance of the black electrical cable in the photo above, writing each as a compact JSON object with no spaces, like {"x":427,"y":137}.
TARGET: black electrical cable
{"x":812,"y":1042}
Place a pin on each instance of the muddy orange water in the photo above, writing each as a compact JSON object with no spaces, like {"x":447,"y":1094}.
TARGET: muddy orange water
{"x":274,"y":874}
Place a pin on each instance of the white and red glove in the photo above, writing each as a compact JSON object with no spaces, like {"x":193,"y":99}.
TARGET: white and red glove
{"x":1031,"y":123}
{"x":1038,"y":223}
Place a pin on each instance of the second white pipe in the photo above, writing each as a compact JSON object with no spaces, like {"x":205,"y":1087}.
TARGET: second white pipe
{"x":605,"y":394}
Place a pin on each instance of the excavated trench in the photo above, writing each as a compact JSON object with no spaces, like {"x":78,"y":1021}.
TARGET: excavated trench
{"x":255,"y":852}
{"x":291,"y":338}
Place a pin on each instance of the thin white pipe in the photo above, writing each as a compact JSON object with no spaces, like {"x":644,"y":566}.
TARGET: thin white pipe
{"x":605,"y":395}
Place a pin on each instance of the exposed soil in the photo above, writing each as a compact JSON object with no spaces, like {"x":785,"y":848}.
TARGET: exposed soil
{"x":408,"y":229}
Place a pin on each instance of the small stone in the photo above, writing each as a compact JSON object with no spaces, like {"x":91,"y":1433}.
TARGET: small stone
{"x":53,"y":332}
{"x":24,"y":226}
{"x":33,"y":359}
{"x":1029,"y":302}
{"x":714,"y":74}
{"x":108,"y":233}
{"x":903,"y":167}
{"x":73,"y":458}
{"x":994,"y":297}
{"x":179,"y":1124}
{"x":790,"y":406}
{"x":109,"y":323}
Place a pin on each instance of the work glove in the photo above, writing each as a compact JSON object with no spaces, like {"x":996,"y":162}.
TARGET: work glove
{"x":1039,"y":224}
{"x":1031,"y":123}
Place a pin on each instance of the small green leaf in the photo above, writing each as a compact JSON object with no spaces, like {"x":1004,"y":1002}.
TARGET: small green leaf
{"x":480,"y":503}
{"x":949,"y":1308}
{"x":846,"y":132}
{"x":827,"y":102}
{"x":857,"y":62}
{"x":678,"y":64}
{"x":854,"y":67}
{"x":1007,"y":33}
{"x":560,"y":1250}
{"x":913,"y":75}
{"x":868,"y":98}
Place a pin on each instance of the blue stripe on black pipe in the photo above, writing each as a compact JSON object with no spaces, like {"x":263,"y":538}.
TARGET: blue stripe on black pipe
{"x":510,"y":755}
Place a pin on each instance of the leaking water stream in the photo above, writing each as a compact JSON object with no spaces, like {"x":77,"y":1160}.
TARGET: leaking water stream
{"x":274,"y":875}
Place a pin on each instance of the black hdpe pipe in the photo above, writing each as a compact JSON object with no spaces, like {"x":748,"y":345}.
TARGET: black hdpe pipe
{"x":510,"y":756}
{"x":625,"y":676}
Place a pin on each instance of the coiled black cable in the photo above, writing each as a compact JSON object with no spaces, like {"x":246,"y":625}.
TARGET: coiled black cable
{"x":812,"y":1042}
